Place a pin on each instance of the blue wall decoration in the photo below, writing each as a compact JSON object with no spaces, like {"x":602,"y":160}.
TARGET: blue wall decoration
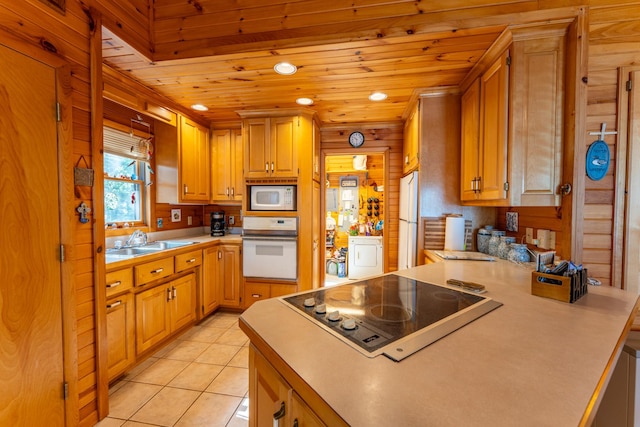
{"x":598,"y":159}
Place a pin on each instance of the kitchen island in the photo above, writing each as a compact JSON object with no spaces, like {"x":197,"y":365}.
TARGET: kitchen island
{"x":531,"y":362}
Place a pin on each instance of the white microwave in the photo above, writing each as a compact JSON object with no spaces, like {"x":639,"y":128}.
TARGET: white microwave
{"x":273,"y":198}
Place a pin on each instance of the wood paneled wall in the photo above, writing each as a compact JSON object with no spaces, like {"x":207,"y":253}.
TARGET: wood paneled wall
{"x":378,"y":138}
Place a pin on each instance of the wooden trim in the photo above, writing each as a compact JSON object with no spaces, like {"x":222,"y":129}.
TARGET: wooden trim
{"x":99,"y":273}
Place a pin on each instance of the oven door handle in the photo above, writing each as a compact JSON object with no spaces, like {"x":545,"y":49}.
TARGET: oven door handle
{"x":271,"y":238}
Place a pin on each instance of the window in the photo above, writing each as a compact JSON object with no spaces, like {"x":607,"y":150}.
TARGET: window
{"x":126,"y":177}
{"x":124,"y":189}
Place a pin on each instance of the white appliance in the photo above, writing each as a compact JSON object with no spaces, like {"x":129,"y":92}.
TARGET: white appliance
{"x":272,"y":198}
{"x":365,"y":256}
{"x":270,"y":247}
{"x":408,"y":227}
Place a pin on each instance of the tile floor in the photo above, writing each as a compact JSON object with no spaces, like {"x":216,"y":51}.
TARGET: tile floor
{"x":200,"y":379}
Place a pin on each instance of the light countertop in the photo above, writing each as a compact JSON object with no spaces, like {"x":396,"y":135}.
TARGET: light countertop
{"x":532,"y":362}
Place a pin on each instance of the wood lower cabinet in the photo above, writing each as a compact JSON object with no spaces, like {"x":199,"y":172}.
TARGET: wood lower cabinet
{"x":164,"y":309}
{"x":209,"y":300}
{"x":257,"y":291}
{"x":120,"y":334}
{"x":273,"y":401}
{"x":229,"y":276}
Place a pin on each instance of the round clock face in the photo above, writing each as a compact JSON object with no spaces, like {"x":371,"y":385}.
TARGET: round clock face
{"x":356,"y":139}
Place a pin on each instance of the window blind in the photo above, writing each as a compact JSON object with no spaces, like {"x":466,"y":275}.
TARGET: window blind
{"x":123,"y":144}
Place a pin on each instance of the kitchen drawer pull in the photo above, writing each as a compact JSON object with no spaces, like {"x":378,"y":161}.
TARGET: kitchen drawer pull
{"x":175,"y":292}
{"x":115,"y":304}
{"x":159,"y":270}
{"x":266,"y":167}
{"x":256,"y":295}
{"x":278,"y":415}
{"x":233,"y":191}
{"x":227,"y":191}
{"x":114,"y":284}
{"x":271,"y":167}
{"x":168,"y":294}
{"x":189,"y":261}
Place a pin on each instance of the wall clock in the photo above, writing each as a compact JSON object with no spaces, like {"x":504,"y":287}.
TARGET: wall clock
{"x":356,"y":139}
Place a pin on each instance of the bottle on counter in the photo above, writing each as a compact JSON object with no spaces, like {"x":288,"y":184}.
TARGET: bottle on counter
{"x":484,"y":234}
{"x":504,"y":245}
{"x":494,"y":242}
{"x":518,"y":252}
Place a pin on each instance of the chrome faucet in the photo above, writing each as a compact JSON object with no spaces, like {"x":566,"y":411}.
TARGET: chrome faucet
{"x":137,"y":238}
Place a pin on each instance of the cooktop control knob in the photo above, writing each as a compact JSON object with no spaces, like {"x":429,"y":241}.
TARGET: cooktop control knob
{"x":309,"y":302}
{"x":349,"y":324}
{"x":321,"y":308}
{"x":334,"y":316}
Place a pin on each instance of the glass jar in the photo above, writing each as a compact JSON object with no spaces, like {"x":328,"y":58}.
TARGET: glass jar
{"x":518,"y":252}
{"x":494,"y":242}
{"x":483,"y":240}
{"x":503,"y":246}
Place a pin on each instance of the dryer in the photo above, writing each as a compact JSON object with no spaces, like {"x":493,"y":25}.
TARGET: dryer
{"x":365,"y":256}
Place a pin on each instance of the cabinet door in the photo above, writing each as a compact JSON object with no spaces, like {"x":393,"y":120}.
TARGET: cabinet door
{"x":120,"y":335}
{"x":183,"y":301}
{"x":236,"y":160}
{"x":194,"y":161}
{"x":470,"y":112}
{"x":411,"y":142}
{"x":220,"y":165}
{"x":152,"y":317}
{"x":229,"y":275}
{"x":256,"y":148}
{"x":494,"y":96}
{"x":537,"y":112}
{"x":302,"y":415}
{"x":284,"y":147}
{"x":209,"y":291}
{"x":267,"y":391}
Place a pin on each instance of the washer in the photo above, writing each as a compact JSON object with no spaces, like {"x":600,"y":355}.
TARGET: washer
{"x":365,"y":256}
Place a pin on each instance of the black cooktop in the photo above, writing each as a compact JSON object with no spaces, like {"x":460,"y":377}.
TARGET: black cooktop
{"x":374,"y":313}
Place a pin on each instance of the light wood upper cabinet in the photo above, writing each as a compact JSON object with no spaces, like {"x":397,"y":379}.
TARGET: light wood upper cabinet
{"x":271,"y":147}
{"x":411,"y":146}
{"x":512,"y":124}
{"x":226,"y":166}
{"x":182,"y":162}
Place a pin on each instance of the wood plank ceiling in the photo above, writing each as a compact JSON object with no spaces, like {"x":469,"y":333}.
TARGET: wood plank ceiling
{"x":221,"y":53}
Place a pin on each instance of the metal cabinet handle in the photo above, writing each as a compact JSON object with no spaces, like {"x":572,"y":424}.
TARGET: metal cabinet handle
{"x":219,"y":254}
{"x":233,"y":191}
{"x":186,"y":189}
{"x":227,"y":192}
{"x":159,"y":270}
{"x":115,"y":304}
{"x":168,"y":294}
{"x":278,"y":415}
{"x":266,"y":167}
{"x":114,"y":284}
{"x":271,"y":167}
{"x":175,"y":292}
{"x":192,"y":260}
{"x":256,"y":295}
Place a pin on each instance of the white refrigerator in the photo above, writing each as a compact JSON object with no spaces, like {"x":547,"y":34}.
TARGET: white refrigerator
{"x":408,"y":232}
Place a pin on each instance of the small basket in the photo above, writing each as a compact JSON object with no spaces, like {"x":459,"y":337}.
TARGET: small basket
{"x":562,"y":288}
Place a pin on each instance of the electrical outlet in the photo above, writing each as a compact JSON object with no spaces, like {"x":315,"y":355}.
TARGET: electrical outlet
{"x":543,"y":239}
{"x":232,"y":219}
{"x":529,"y":234}
{"x":159,"y":223}
{"x":552,"y":240}
{"x":189,"y":220}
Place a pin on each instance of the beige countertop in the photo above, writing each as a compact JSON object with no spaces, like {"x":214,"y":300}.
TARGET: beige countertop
{"x":532,"y":362}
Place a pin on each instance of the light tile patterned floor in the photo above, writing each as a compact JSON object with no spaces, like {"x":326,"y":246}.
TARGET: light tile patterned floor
{"x":200,"y":379}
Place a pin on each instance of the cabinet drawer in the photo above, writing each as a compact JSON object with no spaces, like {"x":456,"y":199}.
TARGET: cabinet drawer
{"x":153,"y":270}
{"x":119,"y":281}
{"x":281,"y":290}
{"x":255,"y":292}
{"x":188,"y":260}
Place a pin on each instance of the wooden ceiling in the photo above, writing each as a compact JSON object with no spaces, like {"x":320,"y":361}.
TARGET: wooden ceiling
{"x":225,"y":51}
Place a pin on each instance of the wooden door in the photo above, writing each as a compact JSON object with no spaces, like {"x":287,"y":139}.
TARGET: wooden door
{"x":268,"y":391}
{"x":209,"y":292}
{"x":31,"y":330}
{"x":302,"y":414}
{"x":631,"y":261}
{"x":220,"y":165}
{"x":256,"y":148}
{"x":194,"y":161}
{"x":152,"y":317}
{"x":236,"y":160}
{"x":470,"y":112}
{"x":284,"y":147}
{"x":183,"y":301}
{"x":120,"y":334}
{"x":494,"y":96}
{"x":229,"y":275}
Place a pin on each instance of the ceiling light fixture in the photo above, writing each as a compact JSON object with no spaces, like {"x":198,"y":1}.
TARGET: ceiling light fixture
{"x":377,"y":96}
{"x":285,"y":68}
{"x":304,"y":101}
{"x":200,"y":107}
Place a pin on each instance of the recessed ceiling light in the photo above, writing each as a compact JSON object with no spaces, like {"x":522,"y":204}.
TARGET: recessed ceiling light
{"x":285,"y":68}
{"x":377,"y":96}
{"x":304,"y":101}
{"x":200,"y":107}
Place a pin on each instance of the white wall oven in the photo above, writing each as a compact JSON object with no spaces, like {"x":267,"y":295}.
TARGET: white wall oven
{"x":272,"y":198}
{"x":270,"y":247}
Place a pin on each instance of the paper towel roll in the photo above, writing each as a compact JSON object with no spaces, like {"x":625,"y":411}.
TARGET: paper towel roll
{"x":454,"y":234}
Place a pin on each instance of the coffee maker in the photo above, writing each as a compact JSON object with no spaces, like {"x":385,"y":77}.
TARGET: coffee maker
{"x":217,"y":223}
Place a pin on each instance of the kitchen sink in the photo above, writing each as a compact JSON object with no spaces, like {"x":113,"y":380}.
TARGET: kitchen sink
{"x":149,"y":248}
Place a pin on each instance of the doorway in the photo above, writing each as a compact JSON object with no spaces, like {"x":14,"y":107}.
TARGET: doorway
{"x":354,"y":206}
{"x":36,"y":303}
